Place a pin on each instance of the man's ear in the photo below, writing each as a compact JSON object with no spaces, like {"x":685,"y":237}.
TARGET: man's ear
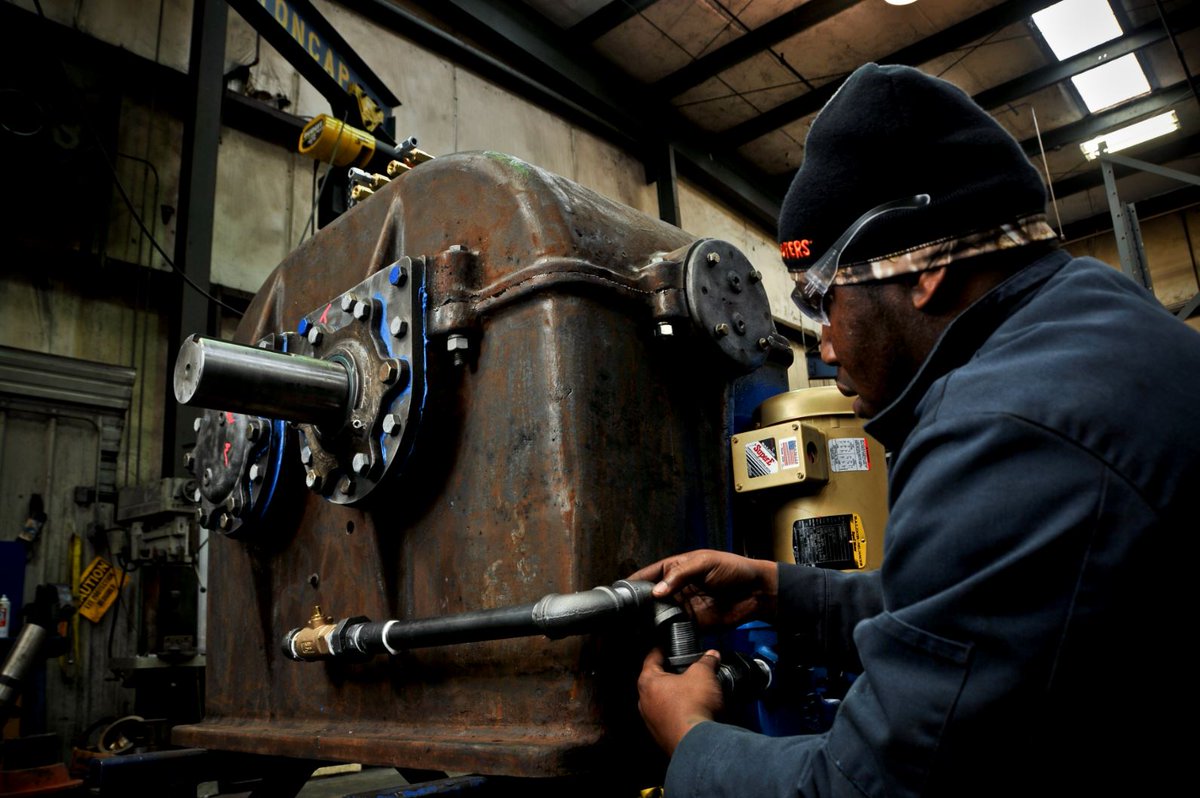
{"x":926,"y":288}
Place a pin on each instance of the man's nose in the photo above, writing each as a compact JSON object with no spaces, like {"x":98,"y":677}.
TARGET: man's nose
{"x":828,"y":356}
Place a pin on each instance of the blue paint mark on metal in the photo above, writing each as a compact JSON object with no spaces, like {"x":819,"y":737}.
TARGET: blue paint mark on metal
{"x":423,"y":300}
{"x":278,"y":441}
{"x":304,"y":326}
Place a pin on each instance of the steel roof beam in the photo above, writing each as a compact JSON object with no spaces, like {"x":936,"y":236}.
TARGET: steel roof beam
{"x":607,"y":17}
{"x":953,"y":37}
{"x":1173,"y":150}
{"x":1038,"y":79}
{"x":1095,"y":124}
{"x":750,"y":44}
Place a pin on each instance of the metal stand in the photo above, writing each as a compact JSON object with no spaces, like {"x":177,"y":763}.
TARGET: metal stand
{"x":1125,"y":224}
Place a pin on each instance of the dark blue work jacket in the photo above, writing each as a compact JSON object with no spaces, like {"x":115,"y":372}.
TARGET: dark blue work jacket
{"x":1025,"y":634}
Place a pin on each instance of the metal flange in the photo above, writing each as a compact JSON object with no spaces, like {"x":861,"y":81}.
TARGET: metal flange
{"x":728,"y":302}
{"x":374,"y":331}
{"x":237,"y":463}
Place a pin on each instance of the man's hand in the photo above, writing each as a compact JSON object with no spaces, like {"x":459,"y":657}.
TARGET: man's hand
{"x":671,"y":704}
{"x":716,"y":588}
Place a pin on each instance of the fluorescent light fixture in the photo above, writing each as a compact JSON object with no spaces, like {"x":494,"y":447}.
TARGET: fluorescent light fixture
{"x":1131,"y":135}
{"x":899,"y":2}
{"x":1111,"y":83}
{"x":1072,"y":26}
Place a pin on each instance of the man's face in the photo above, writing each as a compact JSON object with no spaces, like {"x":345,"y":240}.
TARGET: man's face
{"x":866,"y":339}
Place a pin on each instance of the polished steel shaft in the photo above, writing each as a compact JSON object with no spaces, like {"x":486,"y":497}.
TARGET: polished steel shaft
{"x":226,"y":376}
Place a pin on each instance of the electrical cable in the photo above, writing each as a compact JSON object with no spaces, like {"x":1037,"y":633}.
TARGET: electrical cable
{"x":125,"y":196}
{"x":1046,"y":166}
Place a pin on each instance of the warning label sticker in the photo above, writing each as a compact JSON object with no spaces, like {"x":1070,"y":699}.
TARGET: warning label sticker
{"x":761,"y":458}
{"x":849,"y":454}
{"x":789,"y":453}
{"x":98,"y":588}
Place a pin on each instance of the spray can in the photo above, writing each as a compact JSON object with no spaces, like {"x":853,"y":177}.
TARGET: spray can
{"x":5,"y":609}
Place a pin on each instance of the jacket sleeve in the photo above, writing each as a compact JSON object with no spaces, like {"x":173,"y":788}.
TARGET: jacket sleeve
{"x":820,"y":609}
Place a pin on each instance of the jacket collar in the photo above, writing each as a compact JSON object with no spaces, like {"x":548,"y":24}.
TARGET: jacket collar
{"x":959,"y":342}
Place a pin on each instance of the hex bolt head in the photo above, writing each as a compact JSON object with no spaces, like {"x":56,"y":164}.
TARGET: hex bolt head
{"x":313,"y":480}
{"x":391,"y":424}
{"x":664,"y":329}
{"x":763,"y":343}
{"x":458,"y":248}
{"x":189,"y":461}
{"x":200,"y":515}
{"x":361,"y":465}
{"x":346,"y":486}
{"x":458,"y":345}
{"x":207,"y":478}
{"x":398,"y":327}
{"x":347,"y":303}
{"x":735,"y":282}
{"x":398,"y":275}
{"x":388,"y":372}
{"x":199,"y":422}
{"x":721,"y":329}
{"x":714,"y":258}
{"x":315,"y":336}
{"x":225,"y":521}
{"x":254,"y":430}
{"x":362,"y":310}
{"x":755,"y":276}
{"x":256,"y":473}
{"x":233,"y":504}
{"x":306,"y":455}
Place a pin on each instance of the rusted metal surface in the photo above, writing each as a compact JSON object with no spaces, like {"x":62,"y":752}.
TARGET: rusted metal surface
{"x":574,"y":446}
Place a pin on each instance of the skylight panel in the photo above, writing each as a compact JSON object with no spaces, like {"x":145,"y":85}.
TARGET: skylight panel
{"x":1072,"y":26}
{"x":1112,"y":83}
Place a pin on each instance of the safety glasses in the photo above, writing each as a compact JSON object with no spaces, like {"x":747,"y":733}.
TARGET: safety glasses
{"x":812,"y":285}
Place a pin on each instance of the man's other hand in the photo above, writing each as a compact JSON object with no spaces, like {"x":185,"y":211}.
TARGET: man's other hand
{"x":671,"y":704}
{"x":716,"y":588}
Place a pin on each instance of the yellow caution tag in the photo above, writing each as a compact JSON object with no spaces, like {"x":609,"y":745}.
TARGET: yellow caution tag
{"x":98,"y":589}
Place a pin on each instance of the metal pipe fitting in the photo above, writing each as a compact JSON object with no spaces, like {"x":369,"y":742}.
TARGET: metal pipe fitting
{"x":555,"y":616}
{"x":244,"y":379}
{"x":20,"y":659}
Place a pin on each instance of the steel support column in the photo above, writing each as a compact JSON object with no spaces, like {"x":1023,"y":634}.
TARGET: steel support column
{"x":1125,"y":230}
{"x":194,"y":312}
{"x":667,"y":186}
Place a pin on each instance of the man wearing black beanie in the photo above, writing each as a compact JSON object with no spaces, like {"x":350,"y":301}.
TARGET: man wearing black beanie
{"x":1039,"y":413}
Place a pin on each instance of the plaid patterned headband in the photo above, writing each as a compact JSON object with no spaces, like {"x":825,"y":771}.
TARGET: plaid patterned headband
{"x":1027,"y":230}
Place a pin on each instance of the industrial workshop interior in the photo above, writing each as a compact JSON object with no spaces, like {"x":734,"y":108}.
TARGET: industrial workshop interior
{"x":357,"y":357}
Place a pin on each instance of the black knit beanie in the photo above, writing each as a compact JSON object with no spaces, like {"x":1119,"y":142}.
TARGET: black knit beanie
{"x":891,"y":132}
